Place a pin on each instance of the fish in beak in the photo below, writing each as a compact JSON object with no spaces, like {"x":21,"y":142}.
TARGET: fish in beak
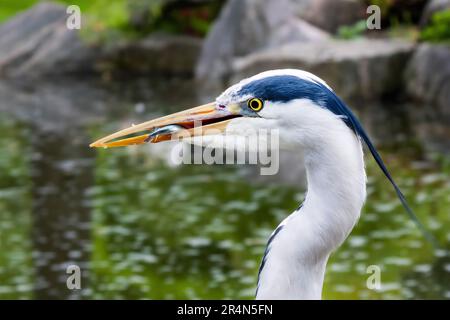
{"x":203,"y":120}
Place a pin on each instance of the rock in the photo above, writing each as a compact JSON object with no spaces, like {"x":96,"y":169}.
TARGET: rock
{"x":431,"y":8}
{"x":329,"y":15}
{"x":358,"y":69}
{"x":428,"y":83}
{"x":37,"y":20}
{"x":157,"y":54}
{"x":246,"y":26}
{"x":61,"y":53}
{"x":37,"y":44}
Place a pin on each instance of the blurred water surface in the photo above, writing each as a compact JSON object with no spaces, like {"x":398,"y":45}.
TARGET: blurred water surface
{"x":141,"y":228}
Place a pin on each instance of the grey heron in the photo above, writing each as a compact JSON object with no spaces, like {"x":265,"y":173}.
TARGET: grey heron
{"x":309,"y":116}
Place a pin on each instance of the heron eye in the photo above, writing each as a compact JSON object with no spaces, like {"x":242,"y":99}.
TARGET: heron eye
{"x":255,"y":104}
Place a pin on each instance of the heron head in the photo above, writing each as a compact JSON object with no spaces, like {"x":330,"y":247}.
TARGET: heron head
{"x":301,"y":106}
{"x":296,"y":103}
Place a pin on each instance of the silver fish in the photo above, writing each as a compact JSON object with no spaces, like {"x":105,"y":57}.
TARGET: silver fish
{"x":171,"y":128}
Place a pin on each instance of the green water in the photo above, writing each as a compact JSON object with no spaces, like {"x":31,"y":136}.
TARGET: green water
{"x":140,"y":228}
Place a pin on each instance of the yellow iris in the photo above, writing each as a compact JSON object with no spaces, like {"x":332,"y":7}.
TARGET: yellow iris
{"x":255,"y":104}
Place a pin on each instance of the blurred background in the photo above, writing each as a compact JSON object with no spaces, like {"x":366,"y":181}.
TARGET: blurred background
{"x":140,"y":227}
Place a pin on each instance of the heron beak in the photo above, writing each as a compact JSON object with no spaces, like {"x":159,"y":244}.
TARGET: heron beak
{"x":202,"y":120}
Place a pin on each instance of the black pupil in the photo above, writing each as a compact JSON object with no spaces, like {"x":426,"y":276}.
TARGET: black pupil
{"x":255,"y":104}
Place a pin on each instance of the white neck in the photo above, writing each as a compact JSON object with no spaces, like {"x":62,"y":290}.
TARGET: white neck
{"x":295,"y":262}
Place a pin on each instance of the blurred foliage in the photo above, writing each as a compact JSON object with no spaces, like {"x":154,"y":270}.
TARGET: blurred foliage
{"x":111,"y":20}
{"x":353,"y":31}
{"x":439,"y":28}
{"x":399,"y":18}
{"x":398,"y":12}
{"x":409,"y":32}
{"x":192,"y":17}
